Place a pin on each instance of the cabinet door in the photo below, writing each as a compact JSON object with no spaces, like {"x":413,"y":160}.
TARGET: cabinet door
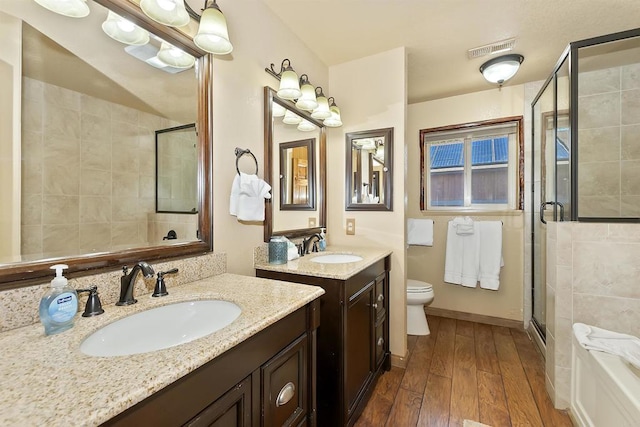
{"x":284,"y":386}
{"x":233,"y":409}
{"x":359,"y":335}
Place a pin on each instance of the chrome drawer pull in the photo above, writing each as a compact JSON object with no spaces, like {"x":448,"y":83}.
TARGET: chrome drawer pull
{"x":374,"y":306}
{"x":380,"y":342}
{"x":286,"y":393}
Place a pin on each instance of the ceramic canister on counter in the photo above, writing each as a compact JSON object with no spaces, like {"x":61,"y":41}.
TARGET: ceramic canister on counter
{"x":278,"y":250}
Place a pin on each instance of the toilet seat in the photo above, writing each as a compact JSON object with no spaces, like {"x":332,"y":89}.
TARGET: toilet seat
{"x":417,"y":286}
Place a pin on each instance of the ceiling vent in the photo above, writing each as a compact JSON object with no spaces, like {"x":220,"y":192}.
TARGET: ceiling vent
{"x":497,"y":47}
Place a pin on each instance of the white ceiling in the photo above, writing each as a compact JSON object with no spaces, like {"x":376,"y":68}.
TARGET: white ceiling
{"x":438,"y":33}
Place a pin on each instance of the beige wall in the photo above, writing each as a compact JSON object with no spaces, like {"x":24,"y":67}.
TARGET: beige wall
{"x":592,"y":278}
{"x":427,"y":263}
{"x":259,"y":39}
{"x":10,"y":72}
{"x":371,"y":94}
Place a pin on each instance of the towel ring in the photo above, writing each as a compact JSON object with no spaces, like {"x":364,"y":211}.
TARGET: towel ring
{"x":239,"y":153}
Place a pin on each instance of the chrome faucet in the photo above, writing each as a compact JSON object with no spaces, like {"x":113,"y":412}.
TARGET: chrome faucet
{"x":306,"y":242}
{"x":128,"y":280}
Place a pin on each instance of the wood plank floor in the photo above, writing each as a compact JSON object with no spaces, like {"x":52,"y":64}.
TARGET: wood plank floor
{"x":465,"y":370}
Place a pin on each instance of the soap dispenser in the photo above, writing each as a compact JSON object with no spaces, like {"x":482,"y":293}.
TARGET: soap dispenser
{"x":323,"y":240}
{"x":59,"y":305}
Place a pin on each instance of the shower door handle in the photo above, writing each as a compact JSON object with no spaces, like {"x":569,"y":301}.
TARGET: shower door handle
{"x":543,"y":206}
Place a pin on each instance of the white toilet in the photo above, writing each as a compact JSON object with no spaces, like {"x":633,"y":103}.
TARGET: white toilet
{"x":419,"y":294}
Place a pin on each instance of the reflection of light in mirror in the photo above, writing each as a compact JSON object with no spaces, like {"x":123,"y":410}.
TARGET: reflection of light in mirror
{"x":306,"y":126}
{"x":70,"y":8}
{"x":277,"y":110}
{"x":124,"y":31}
{"x":291,"y":118}
{"x":175,"y":57}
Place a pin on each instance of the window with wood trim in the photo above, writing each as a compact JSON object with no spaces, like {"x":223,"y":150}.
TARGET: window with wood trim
{"x":472,"y":166}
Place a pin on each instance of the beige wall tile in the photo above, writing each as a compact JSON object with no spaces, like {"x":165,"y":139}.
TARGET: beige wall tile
{"x":60,"y":239}
{"x":61,"y":165}
{"x":624,"y":233}
{"x":563,"y":335}
{"x":599,"y":144}
{"x":550,"y":307}
{"x":599,"y":179}
{"x":631,"y":76}
{"x":95,"y":209}
{"x":126,"y":209}
{"x":32,"y":145}
{"x":630,"y":177}
{"x":95,"y":183}
{"x":95,"y":237}
{"x":60,"y":209}
{"x":563,"y":249}
{"x":630,"y":100}
{"x":125,"y":184}
{"x":597,"y":111}
{"x":33,"y":115}
{"x":588,"y":232}
{"x":32,"y":90}
{"x":612,"y":313}
{"x":599,"y":81}
{"x":550,"y":357}
{"x":95,"y":127}
{"x":31,"y":209}
{"x":31,"y":240}
{"x":121,"y":113}
{"x":96,"y":106}
{"x":630,"y":142}
{"x":61,"y":123}
{"x":58,"y":97}
{"x":125,"y":233}
{"x":599,"y":206}
{"x":147,"y":187}
{"x":564,"y":292}
{"x":31,"y":177}
{"x":630,"y":206}
{"x":96,"y":154}
{"x":563,"y":388}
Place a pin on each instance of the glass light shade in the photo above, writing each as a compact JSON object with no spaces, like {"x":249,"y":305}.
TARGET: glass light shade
{"x":334,"y":121}
{"x":213,"y":35}
{"x":277,"y":110}
{"x":307,"y":100}
{"x":291,"y":118}
{"x":322,"y":111}
{"x":124,"y":31}
{"x":167,"y":12}
{"x":70,"y":8}
{"x":501,"y":69}
{"x":306,"y":126}
{"x":289,"y":86}
{"x":175,"y":57}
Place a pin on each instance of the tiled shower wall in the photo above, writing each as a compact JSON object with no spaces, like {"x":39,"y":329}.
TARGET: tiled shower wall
{"x":609,"y":152}
{"x":592,"y":278}
{"x":88,"y":172}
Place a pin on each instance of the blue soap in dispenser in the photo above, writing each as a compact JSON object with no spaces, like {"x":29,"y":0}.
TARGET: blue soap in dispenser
{"x":59,"y":305}
{"x":323,"y":240}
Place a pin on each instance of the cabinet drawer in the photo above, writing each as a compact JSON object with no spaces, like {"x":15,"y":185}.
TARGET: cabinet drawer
{"x":380,"y":297}
{"x":233,"y":409}
{"x":379,"y":342}
{"x":284,"y":386}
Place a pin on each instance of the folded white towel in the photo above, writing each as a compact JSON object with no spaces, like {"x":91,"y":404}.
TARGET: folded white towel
{"x":490,"y":254}
{"x":235,"y":193}
{"x":420,"y":232}
{"x":292,"y":253}
{"x":250,"y":199}
{"x":623,"y":345}
{"x":464,"y":226}
{"x":461,"y":257}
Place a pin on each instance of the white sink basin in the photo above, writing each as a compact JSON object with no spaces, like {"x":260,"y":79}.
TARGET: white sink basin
{"x":161,"y":327}
{"x":336,"y":258}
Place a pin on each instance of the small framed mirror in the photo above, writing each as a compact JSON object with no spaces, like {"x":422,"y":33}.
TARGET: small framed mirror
{"x":369,"y":156}
{"x":297,"y":175}
{"x":177,"y":170}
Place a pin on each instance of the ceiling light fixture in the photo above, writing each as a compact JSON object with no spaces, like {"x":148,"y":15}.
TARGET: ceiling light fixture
{"x":124,"y":31}
{"x":174,"y":57}
{"x":499,"y":70}
{"x":213,"y":35}
{"x":70,"y":8}
{"x":167,"y":12}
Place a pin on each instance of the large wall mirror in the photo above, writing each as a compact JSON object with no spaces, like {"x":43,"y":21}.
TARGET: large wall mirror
{"x":83,"y":110}
{"x":295,"y":156}
{"x":369,"y":156}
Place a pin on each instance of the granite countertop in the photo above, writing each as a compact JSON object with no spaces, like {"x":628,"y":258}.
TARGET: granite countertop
{"x":46,"y":380}
{"x":305,"y":266}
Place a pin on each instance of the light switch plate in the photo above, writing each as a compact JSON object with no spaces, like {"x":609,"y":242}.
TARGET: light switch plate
{"x":312,"y":221}
{"x":351,"y":226}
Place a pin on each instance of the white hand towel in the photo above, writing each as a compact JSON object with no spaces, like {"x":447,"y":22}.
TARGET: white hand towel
{"x":253,"y":191}
{"x":235,"y":193}
{"x":464,"y":226}
{"x":623,"y":345}
{"x":490,"y":254}
{"x":461,"y":258}
{"x":420,"y":232}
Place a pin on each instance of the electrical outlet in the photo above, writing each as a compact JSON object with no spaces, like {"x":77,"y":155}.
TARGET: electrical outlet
{"x":351,"y":226}
{"x":312,"y":221}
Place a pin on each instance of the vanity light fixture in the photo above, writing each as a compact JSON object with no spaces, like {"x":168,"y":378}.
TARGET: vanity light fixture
{"x":291,"y":118}
{"x":499,"y":70}
{"x":70,"y":8}
{"x":277,"y":110}
{"x":321,"y":112}
{"x":307,"y":100}
{"x":289,"y":84}
{"x":306,"y":126}
{"x":334,"y":121}
{"x":213,"y":35}
{"x":124,"y":31}
{"x":174,"y":57}
{"x":167,"y":12}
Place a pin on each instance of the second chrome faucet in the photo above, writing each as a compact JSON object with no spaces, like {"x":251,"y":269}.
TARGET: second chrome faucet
{"x":128,"y":280}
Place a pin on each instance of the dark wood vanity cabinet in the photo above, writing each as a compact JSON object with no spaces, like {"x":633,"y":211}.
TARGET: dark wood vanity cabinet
{"x":353,"y":339}
{"x":267,"y":380}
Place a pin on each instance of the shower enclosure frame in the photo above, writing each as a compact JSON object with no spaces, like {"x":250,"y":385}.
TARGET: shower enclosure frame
{"x":570,"y":57}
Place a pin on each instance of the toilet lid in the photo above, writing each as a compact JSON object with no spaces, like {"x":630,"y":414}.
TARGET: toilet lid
{"x":418,"y":286}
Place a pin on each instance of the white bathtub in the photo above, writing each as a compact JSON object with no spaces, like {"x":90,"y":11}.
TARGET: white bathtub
{"x":605,"y":390}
